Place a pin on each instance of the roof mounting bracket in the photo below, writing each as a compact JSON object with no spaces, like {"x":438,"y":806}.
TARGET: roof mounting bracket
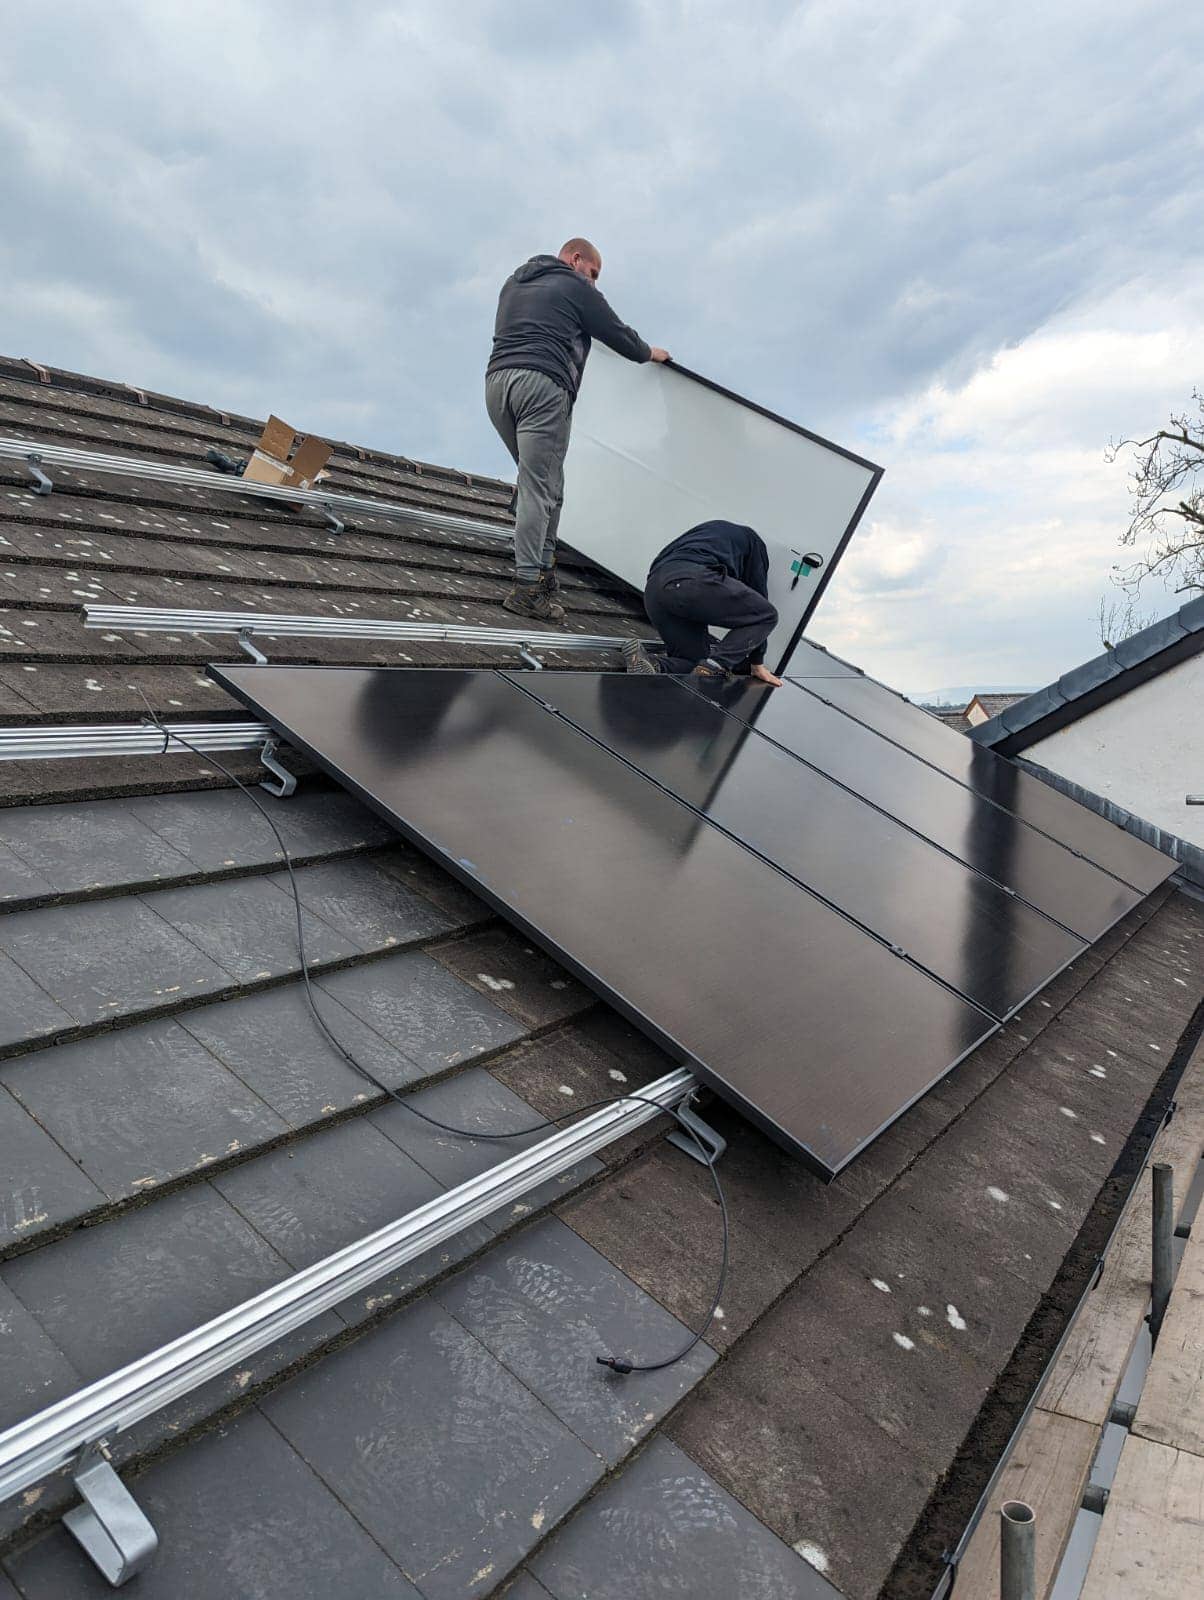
{"x":709,"y":1138}
{"x":524,"y":651}
{"x":34,"y":462}
{"x":336,"y":523}
{"x":288,"y":783}
{"x":244,"y":643}
{"x":110,"y":1525}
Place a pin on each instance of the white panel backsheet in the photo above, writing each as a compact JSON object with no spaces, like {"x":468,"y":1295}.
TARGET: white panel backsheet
{"x":653,"y":452}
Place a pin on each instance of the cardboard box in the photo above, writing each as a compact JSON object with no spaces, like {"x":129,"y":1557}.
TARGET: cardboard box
{"x":274,"y":460}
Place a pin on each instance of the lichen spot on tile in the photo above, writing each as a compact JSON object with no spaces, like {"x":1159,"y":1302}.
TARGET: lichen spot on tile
{"x":1098,"y":1072}
{"x":1000,"y":1196}
{"x":956,"y":1320}
{"x":924,"y":1311}
{"x":880,"y":1283}
{"x":538,"y":1520}
{"x":903,"y":1341}
{"x":615,"y":1075}
{"x":1097,"y":1138}
{"x":1067,"y":1112}
{"x":811,"y":1554}
{"x":496,"y":984}
{"x":563,"y":1088}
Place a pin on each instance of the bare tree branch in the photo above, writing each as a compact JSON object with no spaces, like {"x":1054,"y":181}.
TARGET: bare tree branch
{"x":1167,"y":488}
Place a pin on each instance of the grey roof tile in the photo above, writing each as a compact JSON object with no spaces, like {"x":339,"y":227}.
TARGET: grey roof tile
{"x":249,"y":927}
{"x":547,"y":1305}
{"x":89,"y":846}
{"x":426,"y":1012}
{"x":476,"y":1100}
{"x":140,"y":1106}
{"x":26,"y":1011}
{"x":105,"y":959}
{"x":221,"y":828}
{"x":34,"y":1372}
{"x":452,"y":897}
{"x":360,"y":900}
{"x":240,"y":1517}
{"x":496,"y":1465}
{"x":665,"y":1530}
{"x":18,"y":880}
{"x":44,"y":1186}
{"x":312,"y":1198}
{"x":652,"y":1225}
{"x":526,"y":1588}
{"x":273,"y":1044}
{"x":111,"y":1293}
{"x":799,"y":1456}
{"x":521,"y":979}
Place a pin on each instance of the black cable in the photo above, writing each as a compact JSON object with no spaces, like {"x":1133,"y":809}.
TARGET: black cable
{"x":616,"y":1363}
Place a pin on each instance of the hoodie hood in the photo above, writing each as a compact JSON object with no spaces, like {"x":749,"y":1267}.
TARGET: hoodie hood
{"x":538,"y":266}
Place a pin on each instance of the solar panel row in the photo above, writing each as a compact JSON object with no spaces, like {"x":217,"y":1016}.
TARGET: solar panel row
{"x":818,"y":921}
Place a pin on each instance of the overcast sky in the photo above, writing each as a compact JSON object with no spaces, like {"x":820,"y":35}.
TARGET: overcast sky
{"x":967,"y":242}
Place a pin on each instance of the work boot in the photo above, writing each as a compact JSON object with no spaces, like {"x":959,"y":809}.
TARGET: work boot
{"x":712,"y":672}
{"x":637,"y":659}
{"x":532,"y":600}
{"x":550,"y":584}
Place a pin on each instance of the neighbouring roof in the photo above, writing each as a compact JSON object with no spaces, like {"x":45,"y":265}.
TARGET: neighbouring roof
{"x":952,"y":716}
{"x":177,"y":1136}
{"x":1105,"y":677}
{"x":983,"y":706}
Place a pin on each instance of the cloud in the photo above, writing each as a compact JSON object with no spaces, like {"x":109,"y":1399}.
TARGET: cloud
{"x":866,"y":216}
{"x":1000,"y":508}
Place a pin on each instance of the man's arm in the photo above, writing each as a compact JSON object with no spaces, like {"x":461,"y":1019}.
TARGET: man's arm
{"x":602,"y":323}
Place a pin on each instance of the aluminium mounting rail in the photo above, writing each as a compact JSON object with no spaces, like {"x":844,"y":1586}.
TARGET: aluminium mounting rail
{"x":110,"y":1525}
{"x":69,"y":741}
{"x":36,"y":457}
{"x":156,"y":619}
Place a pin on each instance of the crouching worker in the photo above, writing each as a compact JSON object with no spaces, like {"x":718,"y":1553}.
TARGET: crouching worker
{"x":715,"y":575}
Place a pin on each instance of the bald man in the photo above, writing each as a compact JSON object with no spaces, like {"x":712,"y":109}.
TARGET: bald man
{"x":548,"y":312}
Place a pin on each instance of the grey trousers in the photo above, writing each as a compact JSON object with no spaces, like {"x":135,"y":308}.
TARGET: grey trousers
{"x":533,"y":414}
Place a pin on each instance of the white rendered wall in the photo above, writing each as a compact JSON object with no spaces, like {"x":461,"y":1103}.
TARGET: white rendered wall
{"x":653,"y":452}
{"x":1145,"y":750}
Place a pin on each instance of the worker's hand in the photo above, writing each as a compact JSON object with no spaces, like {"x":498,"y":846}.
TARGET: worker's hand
{"x":763,"y":675}
{"x":658,"y":354}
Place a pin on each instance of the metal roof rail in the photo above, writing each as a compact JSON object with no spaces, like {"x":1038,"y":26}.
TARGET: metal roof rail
{"x":63,"y":743}
{"x":36,"y":457}
{"x":248,"y":623}
{"x":110,"y":1525}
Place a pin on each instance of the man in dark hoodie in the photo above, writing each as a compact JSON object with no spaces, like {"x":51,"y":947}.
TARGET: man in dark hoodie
{"x":715,"y":574}
{"x":547,"y":315}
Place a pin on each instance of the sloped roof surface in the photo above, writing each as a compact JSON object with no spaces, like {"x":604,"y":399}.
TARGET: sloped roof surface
{"x":1171,"y":639}
{"x":180,"y":1136}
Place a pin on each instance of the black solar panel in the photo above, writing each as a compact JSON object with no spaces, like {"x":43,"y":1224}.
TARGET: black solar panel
{"x":989,"y":775}
{"x":816,"y":1031}
{"x":818,"y":922}
{"x":1050,"y":877}
{"x":981,"y":940}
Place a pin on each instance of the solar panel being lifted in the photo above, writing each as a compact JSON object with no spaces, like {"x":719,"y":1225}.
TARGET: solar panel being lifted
{"x":815,"y":962}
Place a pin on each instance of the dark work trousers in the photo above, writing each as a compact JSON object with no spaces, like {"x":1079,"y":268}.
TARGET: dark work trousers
{"x":684,"y":601}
